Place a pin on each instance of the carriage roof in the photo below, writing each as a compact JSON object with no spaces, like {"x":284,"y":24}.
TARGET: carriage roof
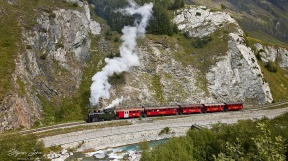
{"x":129,"y":109}
{"x":161,"y":107}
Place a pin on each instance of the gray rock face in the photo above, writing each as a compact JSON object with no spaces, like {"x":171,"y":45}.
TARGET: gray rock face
{"x":200,"y":21}
{"x":273,"y":53}
{"x":56,"y":52}
{"x":238,"y":76}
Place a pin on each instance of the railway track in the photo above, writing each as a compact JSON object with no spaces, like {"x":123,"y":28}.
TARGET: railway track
{"x":41,"y":129}
{"x":81,"y":123}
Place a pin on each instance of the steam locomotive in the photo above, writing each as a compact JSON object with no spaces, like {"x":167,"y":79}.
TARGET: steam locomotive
{"x":134,"y":112}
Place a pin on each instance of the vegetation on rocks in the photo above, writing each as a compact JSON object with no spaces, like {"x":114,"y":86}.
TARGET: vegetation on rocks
{"x":273,"y":74}
{"x":14,"y":19}
{"x":9,"y":38}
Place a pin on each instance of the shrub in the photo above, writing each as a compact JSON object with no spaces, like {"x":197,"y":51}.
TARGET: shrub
{"x":270,"y":67}
{"x":175,"y":29}
{"x":75,"y":5}
{"x":201,"y":42}
{"x":186,"y":34}
{"x":166,"y":130}
{"x":116,"y":39}
{"x":43,"y":30}
{"x":144,"y":145}
{"x":258,"y":56}
{"x":52,"y":15}
{"x":223,"y":7}
{"x":43,"y":56}
{"x":59,"y":45}
{"x":198,"y":14}
{"x":28,"y":47}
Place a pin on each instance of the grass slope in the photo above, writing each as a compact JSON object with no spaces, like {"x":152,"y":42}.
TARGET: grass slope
{"x":10,"y":36}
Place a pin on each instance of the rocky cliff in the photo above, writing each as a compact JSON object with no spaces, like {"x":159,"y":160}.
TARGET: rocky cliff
{"x":162,"y":77}
{"x":51,"y":66}
{"x":171,"y":70}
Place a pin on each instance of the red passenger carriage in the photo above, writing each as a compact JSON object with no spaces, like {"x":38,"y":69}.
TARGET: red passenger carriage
{"x":159,"y":111}
{"x":194,"y":108}
{"x":129,"y":112}
{"x":214,"y":107}
{"x":234,"y":106}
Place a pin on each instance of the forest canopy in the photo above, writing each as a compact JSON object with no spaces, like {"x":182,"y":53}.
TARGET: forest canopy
{"x":160,"y":23}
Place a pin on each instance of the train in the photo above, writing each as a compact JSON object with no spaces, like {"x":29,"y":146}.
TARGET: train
{"x":150,"y":111}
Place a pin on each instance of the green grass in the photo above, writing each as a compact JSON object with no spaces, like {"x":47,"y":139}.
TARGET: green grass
{"x":253,"y":40}
{"x":278,"y":82}
{"x":202,"y":58}
{"x":21,"y":85}
{"x":157,"y":88}
{"x":80,"y":128}
{"x":10,"y":37}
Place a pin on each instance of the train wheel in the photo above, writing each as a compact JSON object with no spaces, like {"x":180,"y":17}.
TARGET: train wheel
{"x":225,"y":109}
{"x":117,"y":118}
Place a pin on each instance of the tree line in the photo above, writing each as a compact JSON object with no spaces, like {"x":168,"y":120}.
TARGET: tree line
{"x":160,"y":24}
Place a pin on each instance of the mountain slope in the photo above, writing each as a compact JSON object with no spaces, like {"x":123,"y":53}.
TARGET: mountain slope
{"x":58,"y":47}
{"x":262,"y":19}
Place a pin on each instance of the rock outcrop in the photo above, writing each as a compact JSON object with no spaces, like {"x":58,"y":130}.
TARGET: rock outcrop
{"x":56,"y":51}
{"x":238,"y":76}
{"x":275,"y":54}
{"x":200,"y":21}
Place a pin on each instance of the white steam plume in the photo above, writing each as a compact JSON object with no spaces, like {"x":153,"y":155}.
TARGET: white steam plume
{"x":100,"y":86}
{"x":116,"y":102}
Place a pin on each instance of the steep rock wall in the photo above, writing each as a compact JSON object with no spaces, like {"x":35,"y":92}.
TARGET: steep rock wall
{"x":237,"y":76}
{"x":56,"y":51}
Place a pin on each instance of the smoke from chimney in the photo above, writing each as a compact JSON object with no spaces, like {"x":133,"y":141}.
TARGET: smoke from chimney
{"x":100,"y":86}
{"x":116,"y":102}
